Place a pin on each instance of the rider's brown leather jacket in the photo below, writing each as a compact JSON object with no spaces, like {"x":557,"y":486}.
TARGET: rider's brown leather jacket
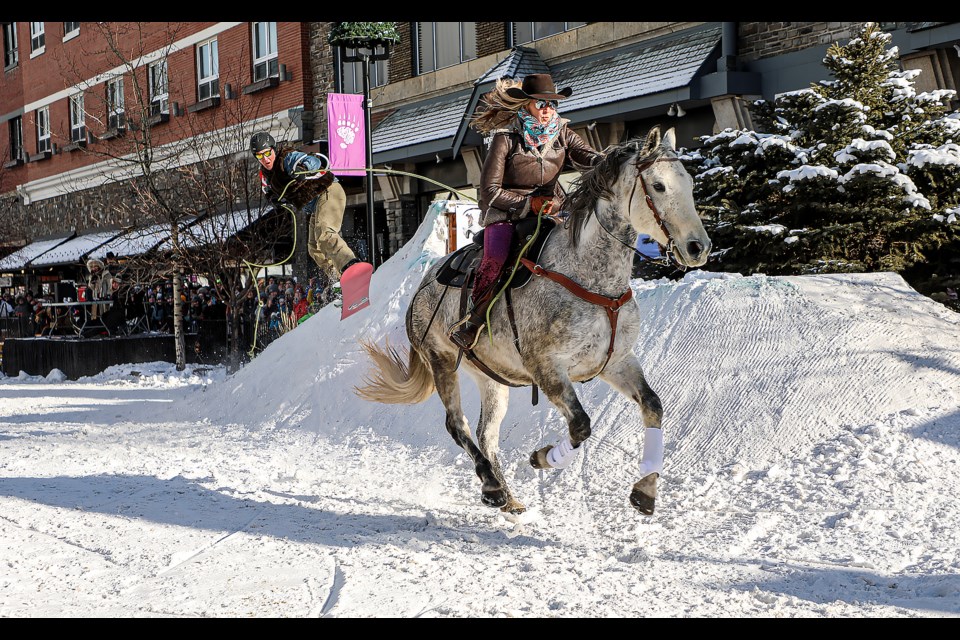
{"x":512,"y":174}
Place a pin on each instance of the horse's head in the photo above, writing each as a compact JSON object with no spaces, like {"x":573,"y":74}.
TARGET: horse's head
{"x":642,"y":184}
{"x":660,"y":201}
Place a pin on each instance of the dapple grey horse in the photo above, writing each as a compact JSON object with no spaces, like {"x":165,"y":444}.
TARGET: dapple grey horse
{"x":575,"y":318}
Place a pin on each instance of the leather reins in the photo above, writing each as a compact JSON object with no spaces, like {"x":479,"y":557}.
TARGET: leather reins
{"x":610,"y":305}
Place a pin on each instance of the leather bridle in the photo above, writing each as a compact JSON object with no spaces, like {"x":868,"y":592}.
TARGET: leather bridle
{"x":669,"y":249}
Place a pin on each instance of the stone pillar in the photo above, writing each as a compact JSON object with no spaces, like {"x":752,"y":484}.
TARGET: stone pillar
{"x":394,"y":225}
{"x":730,"y":112}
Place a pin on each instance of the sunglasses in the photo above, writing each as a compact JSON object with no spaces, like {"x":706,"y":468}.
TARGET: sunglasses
{"x":543,"y":104}
{"x":266,"y":153}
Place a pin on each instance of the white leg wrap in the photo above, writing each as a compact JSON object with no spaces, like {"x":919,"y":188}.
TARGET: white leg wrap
{"x":560,"y":456}
{"x":652,"y":461}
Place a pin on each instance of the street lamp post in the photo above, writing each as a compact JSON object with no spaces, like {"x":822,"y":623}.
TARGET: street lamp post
{"x":365,"y":51}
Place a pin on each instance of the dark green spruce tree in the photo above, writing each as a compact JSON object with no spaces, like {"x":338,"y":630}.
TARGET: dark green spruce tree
{"x":860,"y":173}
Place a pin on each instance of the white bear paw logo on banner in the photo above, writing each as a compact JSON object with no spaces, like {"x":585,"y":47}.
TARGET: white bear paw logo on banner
{"x":347,"y":130}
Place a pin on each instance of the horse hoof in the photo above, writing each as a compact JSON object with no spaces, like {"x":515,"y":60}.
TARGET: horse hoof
{"x":514,"y":507}
{"x":538,"y":459}
{"x":642,"y":502}
{"x":644,"y":494}
{"x":496,"y":498}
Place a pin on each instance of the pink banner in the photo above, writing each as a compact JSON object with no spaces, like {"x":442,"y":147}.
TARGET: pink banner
{"x":346,"y":134}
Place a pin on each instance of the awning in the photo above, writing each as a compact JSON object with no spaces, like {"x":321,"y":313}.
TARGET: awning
{"x":19,"y":258}
{"x":73,"y":251}
{"x":215,"y":229}
{"x":135,"y":242}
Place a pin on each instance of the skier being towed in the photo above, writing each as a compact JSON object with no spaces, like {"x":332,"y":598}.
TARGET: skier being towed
{"x":300,"y":180}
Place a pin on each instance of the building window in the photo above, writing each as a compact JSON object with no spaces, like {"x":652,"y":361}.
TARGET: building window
{"x":11,"y":53}
{"x":70,"y":29}
{"x":530,"y":31}
{"x":351,"y":73}
{"x":157,"y":74}
{"x":208,"y":70}
{"x":16,"y":138}
{"x":43,"y":129}
{"x":37,"y":37}
{"x":78,"y":122}
{"x":265,"y":61}
{"x":444,"y":44}
{"x":116,"y":118}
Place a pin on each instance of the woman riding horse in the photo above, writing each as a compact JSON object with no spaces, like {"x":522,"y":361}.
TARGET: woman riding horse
{"x":575,"y":320}
{"x":531,"y":144}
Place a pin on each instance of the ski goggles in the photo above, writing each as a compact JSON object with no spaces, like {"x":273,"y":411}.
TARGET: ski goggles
{"x":266,"y":153}
{"x":543,"y":104}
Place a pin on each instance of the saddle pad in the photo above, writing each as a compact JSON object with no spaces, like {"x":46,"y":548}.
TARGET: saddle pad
{"x":462,"y":261}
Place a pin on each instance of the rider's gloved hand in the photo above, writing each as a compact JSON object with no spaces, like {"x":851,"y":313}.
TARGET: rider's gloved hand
{"x":541,"y":205}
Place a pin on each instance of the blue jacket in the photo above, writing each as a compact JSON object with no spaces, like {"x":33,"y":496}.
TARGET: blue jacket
{"x":296,"y":176}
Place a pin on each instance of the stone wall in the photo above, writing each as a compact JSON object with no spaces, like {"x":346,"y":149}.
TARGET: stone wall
{"x":758,"y":40}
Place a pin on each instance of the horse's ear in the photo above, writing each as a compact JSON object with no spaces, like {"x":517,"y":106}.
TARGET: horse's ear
{"x":670,"y":139}
{"x":652,"y":141}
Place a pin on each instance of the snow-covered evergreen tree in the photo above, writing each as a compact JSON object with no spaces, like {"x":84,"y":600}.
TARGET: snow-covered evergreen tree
{"x":859,"y":173}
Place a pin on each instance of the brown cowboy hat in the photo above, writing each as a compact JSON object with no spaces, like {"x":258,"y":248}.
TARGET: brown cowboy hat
{"x":539,"y":86}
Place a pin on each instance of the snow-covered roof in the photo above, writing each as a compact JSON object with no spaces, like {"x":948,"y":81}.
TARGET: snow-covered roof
{"x":19,"y":258}
{"x":74,"y":250}
{"x":135,"y":242}
{"x":215,"y":229}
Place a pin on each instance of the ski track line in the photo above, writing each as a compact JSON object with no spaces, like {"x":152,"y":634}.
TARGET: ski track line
{"x":62,"y":541}
{"x":333,"y":597}
{"x":216,"y":542}
{"x":329,"y":591}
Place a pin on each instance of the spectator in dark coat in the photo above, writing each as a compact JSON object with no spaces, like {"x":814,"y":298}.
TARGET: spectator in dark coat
{"x":24,"y":312}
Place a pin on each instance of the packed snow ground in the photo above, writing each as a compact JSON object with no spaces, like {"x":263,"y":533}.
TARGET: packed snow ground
{"x":811,"y":470}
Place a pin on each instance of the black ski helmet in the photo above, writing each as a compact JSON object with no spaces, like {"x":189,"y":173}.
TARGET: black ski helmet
{"x":260,"y":141}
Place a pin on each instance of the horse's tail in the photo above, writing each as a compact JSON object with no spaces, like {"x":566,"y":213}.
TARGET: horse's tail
{"x":394,"y":381}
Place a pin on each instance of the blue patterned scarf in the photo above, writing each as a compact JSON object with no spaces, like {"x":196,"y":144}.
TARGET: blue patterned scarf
{"x":536,"y":135}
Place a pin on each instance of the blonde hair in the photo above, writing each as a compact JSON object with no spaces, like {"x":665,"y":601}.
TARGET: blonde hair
{"x":497,"y":109}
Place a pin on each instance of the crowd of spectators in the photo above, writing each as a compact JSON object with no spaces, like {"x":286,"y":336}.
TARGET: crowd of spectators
{"x":274,"y":307}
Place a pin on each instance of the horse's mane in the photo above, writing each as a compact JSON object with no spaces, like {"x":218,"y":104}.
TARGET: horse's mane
{"x":595,"y":182}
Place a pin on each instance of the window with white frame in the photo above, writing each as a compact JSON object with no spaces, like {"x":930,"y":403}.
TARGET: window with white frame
{"x":43,"y":129}
{"x":70,"y":29}
{"x":116,"y":117}
{"x":444,"y":44}
{"x":16,"y":138}
{"x":78,"y":121}
{"x":208,"y":70}
{"x":159,"y":97}
{"x":11,"y":53}
{"x":351,"y":73}
{"x":37,"y":36}
{"x":530,"y":31}
{"x":266,"y":64}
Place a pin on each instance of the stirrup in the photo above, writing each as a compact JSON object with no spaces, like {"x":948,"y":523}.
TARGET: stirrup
{"x":460,"y":328}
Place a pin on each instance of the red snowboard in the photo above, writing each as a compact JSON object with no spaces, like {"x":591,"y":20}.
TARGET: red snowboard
{"x":355,"y":288}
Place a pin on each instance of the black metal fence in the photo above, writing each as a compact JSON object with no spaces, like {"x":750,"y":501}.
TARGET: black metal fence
{"x":16,"y":327}
{"x":78,"y":357}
